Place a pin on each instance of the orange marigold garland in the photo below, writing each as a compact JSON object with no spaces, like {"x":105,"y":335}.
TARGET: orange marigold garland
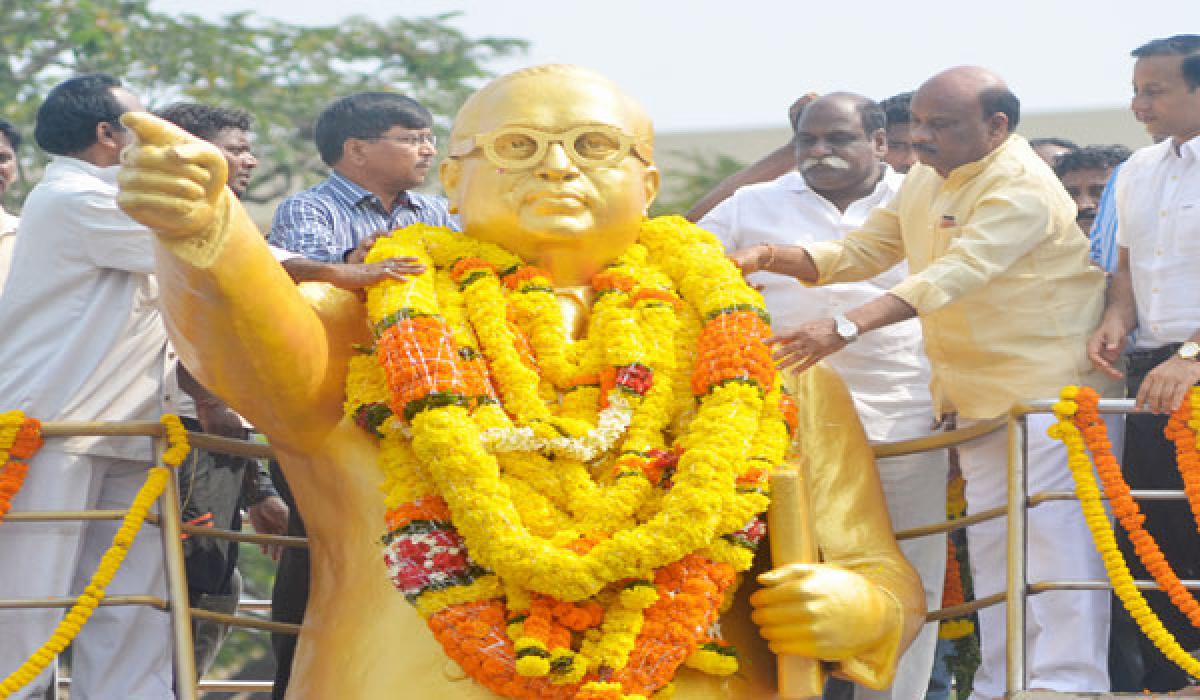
{"x":1125,"y":508}
{"x":1182,"y":429}
{"x":20,"y":437}
{"x":642,"y":449}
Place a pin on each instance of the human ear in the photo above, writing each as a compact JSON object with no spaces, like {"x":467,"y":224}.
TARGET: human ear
{"x":879,"y":143}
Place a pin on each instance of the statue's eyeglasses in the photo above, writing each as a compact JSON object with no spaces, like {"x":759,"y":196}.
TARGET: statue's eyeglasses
{"x":588,"y":146}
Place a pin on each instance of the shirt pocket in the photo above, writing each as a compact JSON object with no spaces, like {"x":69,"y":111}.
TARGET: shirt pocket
{"x":1187,"y":230}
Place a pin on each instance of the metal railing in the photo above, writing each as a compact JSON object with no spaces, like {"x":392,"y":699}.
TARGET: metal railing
{"x":1018,"y":587}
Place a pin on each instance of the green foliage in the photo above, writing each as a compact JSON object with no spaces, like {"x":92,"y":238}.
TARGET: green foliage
{"x":697,"y":174}
{"x":282,"y":73}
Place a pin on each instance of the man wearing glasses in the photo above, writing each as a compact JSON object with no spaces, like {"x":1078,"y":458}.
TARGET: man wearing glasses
{"x":380,"y":145}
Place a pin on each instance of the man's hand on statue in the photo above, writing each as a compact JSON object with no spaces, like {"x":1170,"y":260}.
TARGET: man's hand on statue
{"x":360,"y":275}
{"x":1105,"y":346}
{"x":358,"y":254}
{"x":807,"y":345}
{"x":170,"y":181}
{"x":752,"y":259}
{"x":269,"y":517}
{"x":821,"y":611}
{"x":1166,"y":386}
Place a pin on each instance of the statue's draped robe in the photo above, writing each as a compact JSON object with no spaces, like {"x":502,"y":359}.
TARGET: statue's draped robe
{"x":277,"y":353}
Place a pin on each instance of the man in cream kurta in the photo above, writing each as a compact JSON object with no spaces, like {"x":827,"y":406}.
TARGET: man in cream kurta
{"x":1000,"y":280}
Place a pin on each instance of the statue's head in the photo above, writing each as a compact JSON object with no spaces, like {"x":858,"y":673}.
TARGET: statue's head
{"x":555,"y":164}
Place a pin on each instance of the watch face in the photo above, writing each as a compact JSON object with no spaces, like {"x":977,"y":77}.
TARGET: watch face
{"x":1189,"y":350}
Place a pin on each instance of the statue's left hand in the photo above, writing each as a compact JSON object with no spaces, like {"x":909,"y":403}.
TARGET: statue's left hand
{"x":170,"y":180}
{"x":821,"y":611}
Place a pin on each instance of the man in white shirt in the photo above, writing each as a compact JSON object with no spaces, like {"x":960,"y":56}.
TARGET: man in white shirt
{"x":840,"y":142}
{"x":10,"y":140}
{"x":1155,"y":290}
{"x":85,"y":341}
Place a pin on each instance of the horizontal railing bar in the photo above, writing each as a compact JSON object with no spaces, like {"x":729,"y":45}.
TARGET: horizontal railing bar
{"x":61,"y":602}
{"x":149,"y":428}
{"x":213,"y":686}
{"x":936,"y":441}
{"x":1141,"y":495}
{"x":913,"y":533}
{"x":248,"y":622}
{"x":51,"y":516}
{"x":246,"y":537}
{"x":1044,"y":586}
{"x":966,"y":608}
{"x":1103,"y":406}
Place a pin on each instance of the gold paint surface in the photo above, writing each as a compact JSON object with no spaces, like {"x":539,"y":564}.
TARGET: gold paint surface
{"x":277,"y":353}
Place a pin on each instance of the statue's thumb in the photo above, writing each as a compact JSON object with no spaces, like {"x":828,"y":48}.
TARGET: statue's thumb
{"x":152,"y":130}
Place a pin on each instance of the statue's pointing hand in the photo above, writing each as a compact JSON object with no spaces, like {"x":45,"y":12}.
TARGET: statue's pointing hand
{"x":170,"y":181}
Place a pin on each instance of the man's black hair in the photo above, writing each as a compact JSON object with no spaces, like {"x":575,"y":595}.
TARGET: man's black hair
{"x":1091,"y":158}
{"x":872,"y":115}
{"x":1187,"y":45}
{"x":206,"y":121}
{"x":1053,"y":141}
{"x":898,"y":108}
{"x":1002,"y":100}
{"x":10,"y":132}
{"x":66,"y":121}
{"x":365,"y":115}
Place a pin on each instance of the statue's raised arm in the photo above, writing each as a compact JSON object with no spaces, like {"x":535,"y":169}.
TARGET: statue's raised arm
{"x":232,"y":310}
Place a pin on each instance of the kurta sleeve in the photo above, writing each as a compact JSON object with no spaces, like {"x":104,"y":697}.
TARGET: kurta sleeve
{"x":871,"y":250}
{"x":850,"y":514}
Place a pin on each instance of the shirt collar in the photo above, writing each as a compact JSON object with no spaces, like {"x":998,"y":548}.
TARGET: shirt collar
{"x":107,"y":174}
{"x":794,"y":182}
{"x":353,"y":193}
{"x":1189,"y":149}
{"x":965,"y":172}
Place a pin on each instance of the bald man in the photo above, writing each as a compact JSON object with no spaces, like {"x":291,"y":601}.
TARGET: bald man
{"x":1000,"y":279}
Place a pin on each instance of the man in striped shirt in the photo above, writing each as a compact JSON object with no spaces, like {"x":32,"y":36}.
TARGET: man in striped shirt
{"x":380,"y":146}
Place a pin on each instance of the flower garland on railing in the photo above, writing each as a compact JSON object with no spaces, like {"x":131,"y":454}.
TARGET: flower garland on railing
{"x":1080,"y":428}
{"x":20,"y":437}
{"x":1182,"y":428}
{"x":569,"y":516}
{"x":85,"y":605}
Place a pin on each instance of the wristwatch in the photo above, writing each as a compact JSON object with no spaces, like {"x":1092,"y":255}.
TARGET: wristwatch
{"x":848,"y":329}
{"x":1189,"y":350}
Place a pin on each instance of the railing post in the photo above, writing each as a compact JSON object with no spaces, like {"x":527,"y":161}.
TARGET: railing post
{"x":177,"y":593}
{"x":1017,"y":580}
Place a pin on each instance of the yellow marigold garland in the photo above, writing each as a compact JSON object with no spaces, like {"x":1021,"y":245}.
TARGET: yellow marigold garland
{"x":89,"y":600}
{"x":1090,"y":501}
{"x":552,"y":460}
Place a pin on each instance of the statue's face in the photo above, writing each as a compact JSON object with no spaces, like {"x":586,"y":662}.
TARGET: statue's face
{"x":554,"y":167}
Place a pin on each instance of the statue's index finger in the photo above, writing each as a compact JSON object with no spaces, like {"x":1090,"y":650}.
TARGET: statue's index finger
{"x":152,"y":130}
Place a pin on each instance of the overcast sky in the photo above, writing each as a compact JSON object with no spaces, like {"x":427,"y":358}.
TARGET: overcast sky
{"x":739,"y":63}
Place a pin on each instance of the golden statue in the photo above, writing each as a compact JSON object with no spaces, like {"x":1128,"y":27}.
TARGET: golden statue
{"x":552,"y":170}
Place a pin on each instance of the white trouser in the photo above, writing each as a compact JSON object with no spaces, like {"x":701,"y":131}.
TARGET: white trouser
{"x":915,"y":487}
{"x":123,"y":651}
{"x":1066,"y":631}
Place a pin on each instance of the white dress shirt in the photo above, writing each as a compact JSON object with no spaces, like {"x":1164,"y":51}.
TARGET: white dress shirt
{"x":8,"y":241}
{"x":84,"y":339}
{"x":886,"y":370}
{"x":1158,"y":220}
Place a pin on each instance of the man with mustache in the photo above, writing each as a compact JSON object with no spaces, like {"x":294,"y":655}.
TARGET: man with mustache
{"x":840,"y":177}
{"x":1084,"y":172}
{"x":380,"y":146}
{"x":1000,"y":279}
